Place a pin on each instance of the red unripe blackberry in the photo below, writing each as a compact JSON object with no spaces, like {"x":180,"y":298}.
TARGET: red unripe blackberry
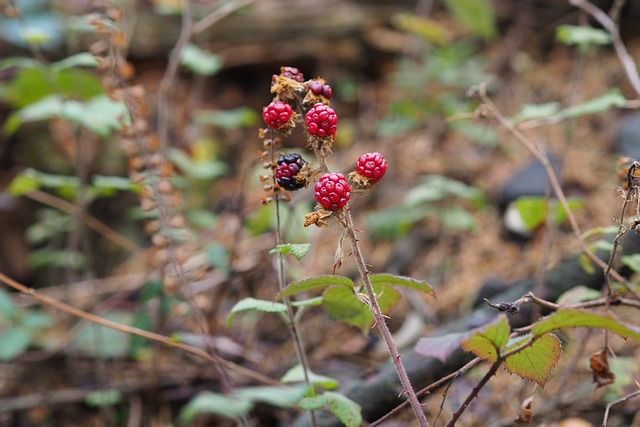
{"x":321,"y":120}
{"x":332,"y":191}
{"x":372,"y":166}
{"x":277,"y":114}
{"x":287,"y":170}
{"x":319,"y":88}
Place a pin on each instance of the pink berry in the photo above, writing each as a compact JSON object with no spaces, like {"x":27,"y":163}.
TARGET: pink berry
{"x":321,"y":120}
{"x":332,"y":191}
{"x":318,"y":88}
{"x":372,"y":166}
{"x":277,"y":114}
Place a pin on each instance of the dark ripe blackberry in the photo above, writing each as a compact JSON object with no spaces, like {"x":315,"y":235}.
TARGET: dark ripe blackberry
{"x":292,"y":73}
{"x":287,"y":169}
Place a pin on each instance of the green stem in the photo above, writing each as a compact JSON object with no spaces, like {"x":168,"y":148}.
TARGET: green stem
{"x":381,"y":323}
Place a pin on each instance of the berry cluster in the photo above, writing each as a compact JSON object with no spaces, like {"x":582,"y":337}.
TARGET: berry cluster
{"x":372,"y":166}
{"x":318,"y":87}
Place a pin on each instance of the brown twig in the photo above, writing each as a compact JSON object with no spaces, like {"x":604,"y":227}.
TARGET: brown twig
{"x":627,"y":61}
{"x":617,"y":402}
{"x":152,"y":336}
{"x":218,"y":14}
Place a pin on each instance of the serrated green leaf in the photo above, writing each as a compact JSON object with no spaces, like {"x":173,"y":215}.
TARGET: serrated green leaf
{"x":536,"y":361}
{"x":257,"y":305}
{"x":487,"y":342}
{"x":296,"y":375}
{"x":582,"y":35}
{"x":348,"y":411}
{"x":228,"y":406}
{"x":477,"y":16}
{"x":200,"y":61}
{"x":101,"y":398}
{"x":14,"y":342}
{"x":570,"y":318}
{"x":23,"y":184}
{"x":578,"y":294}
{"x":315,"y":282}
{"x":383,"y":279}
{"x":84,"y":59}
{"x":298,"y":250}
{"x":282,"y":397}
{"x":7,"y":307}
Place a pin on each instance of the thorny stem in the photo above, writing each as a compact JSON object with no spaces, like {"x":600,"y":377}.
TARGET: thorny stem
{"x":291,"y":320}
{"x":380,"y":321}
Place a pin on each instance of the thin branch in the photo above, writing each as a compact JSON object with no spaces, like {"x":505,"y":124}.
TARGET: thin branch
{"x":474,"y":393}
{"x":627,"y":61}
{"x":617,"y":402}
{"x":152,"y":336}
{"x":381,"y":322}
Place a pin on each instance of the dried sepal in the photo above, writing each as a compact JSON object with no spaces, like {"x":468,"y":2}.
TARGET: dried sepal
{"x":286,"y":88}
{"x":599,"y":363}
{"x":359,"y":183}
{"x":317,"y":218}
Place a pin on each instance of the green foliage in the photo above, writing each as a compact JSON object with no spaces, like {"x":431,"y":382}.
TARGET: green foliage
{"x":552,"y":111}
{"x":487,"y":342}
{"x":434,"y":196}
{"x":230,"y":119}
{"x":101,"y":398}
{"x":534,"y":360}
{"x":426,"y":28}
{"x":533,"y":210}
{"x":20,"y":327}
{"x":296,"y":375}
{"x":631,"y":261}
{"x":67,"y":185}
{"x":257,"y":305}
{"x":578,"y":294}
{"x":200,"y":61}
{"x":582,"y":36}
{"x":315,"y":282}
{"x":298,"y":250}
{"x":476,"y":16}
{"x":571,"y":318}
{"x":101,"y":342}
{"x":347,"y":411}
{"x":240,"y":402}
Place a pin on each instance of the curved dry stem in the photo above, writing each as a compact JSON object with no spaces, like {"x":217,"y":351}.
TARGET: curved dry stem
{"x":152,"y":336}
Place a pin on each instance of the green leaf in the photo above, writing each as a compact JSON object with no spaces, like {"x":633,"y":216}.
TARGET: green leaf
{"x":84,"y":59}
{"x":601,"y":104}
{"x":230,"y":119}
{"x":536,"y":361}
{"x":296,"y":375}
{"x":102,"y":342}
{"x":486,"y":343}
{"x":578,"y":294}
{"x":56,"y":258}
{"x":7,"y":307}
{"x":20,"y":62}
{"x":533,"y":210}
{"x":23,"y":184}
{"x":257,"y":305}
{"x":582,"y":35}
{"x":632,"y":261}
{"x":35,"y":320}
{"x":13,"y":342}
{"x":348,"y":411}
{"x":200,"y":61}
{"x":298,"y":250}
{"x":281,"y":397}
{"x":343,"y":304}
{"x":205,"y":171}
{"x":114,"y":183}
{"x":44,"y":109}
{"x":100,"y":115}
{"x":382,"y":279}
{"x":536,"y":111}
{"x":311,"y":302}
{"x":475,"y":15}
{"x":570,"y":318}
{"x":457,"y":218}
{"x":228,"y":406}
{"x":101,"y":398}
{"x":314,"y":283}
